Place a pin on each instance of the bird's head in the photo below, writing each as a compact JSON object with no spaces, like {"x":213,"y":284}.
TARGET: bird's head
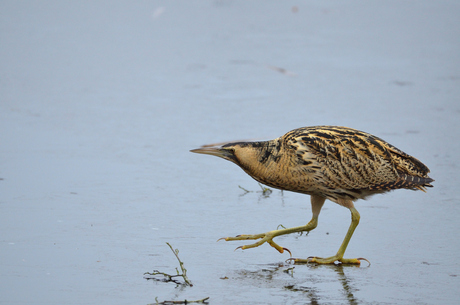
{"x":240,"y":153}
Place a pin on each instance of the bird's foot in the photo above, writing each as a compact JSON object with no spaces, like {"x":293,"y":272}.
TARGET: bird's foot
{"x":264,"y":237}
{"x":328,"y":260}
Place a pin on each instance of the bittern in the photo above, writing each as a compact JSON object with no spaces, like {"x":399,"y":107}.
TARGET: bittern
{"x":326,"y":162}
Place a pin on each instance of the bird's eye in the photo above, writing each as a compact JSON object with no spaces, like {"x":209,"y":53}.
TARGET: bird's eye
{"x":229,"y":149}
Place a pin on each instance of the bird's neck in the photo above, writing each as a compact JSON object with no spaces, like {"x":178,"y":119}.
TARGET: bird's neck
{"x":261,"y":160}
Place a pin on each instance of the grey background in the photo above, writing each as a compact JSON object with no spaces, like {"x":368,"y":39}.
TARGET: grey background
{"x":101,"y":101}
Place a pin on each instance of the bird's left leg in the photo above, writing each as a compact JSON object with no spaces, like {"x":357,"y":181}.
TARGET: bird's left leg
{"x":339,"y":256}
{"x":316,"y":204}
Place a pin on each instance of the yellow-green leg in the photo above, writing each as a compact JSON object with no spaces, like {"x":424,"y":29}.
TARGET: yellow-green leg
{"x":339,"y":256}
{"x":268,"y":236}
{"x":316,"y":204}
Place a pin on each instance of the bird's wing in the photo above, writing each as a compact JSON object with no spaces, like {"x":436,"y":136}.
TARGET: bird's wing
{"x":343,"y":158}
{"x":406,"y":163}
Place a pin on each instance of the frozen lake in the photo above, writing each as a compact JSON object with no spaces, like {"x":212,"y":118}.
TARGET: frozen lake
{"x":101,"y":102}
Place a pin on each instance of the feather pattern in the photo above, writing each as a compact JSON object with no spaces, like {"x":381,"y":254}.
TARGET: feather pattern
{"x":338,"y":163}
{"x":334,"y":162}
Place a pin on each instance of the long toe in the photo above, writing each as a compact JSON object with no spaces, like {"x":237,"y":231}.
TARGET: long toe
{"x":243,"y":237}
{"x":328,"y":260}
{"x":264,"y":238}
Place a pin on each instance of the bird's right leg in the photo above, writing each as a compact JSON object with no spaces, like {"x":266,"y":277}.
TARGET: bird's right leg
{"x":316,"y":204}
{"x":339,"y":256}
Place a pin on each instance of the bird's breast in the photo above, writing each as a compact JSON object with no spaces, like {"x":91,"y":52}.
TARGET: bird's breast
{"x":282,"y":176}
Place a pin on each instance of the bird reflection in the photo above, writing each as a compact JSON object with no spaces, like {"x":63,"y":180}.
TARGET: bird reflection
{"x":347,"y":287}
{"x":303,"y":282}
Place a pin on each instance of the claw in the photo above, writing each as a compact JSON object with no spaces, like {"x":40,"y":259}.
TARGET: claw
{"x":363,"y":259}
{"x":288,"y":251}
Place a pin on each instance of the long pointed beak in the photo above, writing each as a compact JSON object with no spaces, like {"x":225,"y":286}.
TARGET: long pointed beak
{"x":215,"y":151}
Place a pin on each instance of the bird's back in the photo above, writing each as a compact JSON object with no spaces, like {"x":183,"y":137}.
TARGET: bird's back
{"x":340,"y":162}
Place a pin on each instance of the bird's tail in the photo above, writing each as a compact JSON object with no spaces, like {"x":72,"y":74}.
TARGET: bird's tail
{"x":415,"y":182}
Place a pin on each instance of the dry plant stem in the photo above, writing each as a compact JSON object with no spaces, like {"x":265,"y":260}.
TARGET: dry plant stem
{"x":265,"y":190}
{"x":184,"y":271}
{"x":204,"y":301}
{"x":245,"y":190}
{"x":169,"y":276}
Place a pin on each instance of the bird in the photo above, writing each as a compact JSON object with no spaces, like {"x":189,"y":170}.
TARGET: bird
{"x":337,"y":163}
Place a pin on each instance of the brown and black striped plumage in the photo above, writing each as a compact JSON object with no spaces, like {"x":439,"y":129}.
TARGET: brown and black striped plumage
{"x":328,"y":162}
{"x":334,"y":162}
